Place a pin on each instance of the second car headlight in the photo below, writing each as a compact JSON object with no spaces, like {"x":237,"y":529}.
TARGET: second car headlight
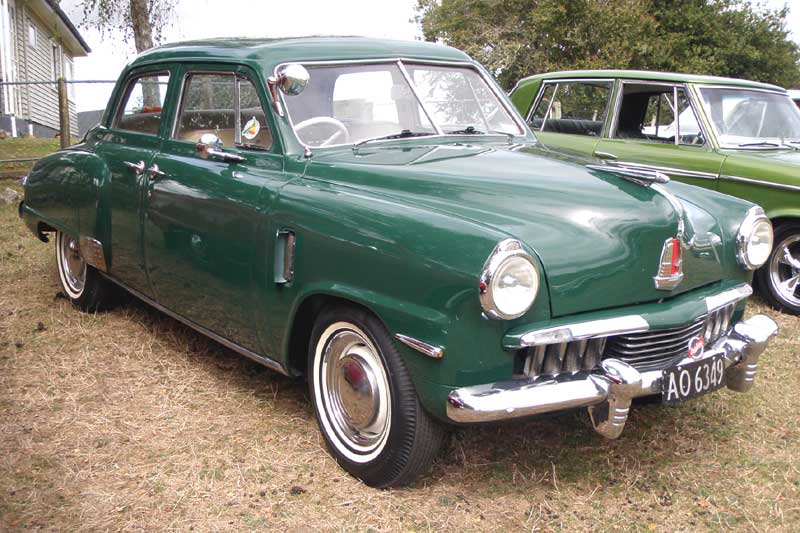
{"x":509,"y":282}
{"x":754,"y":239}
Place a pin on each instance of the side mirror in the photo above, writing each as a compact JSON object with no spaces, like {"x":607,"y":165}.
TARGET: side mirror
{"x":291,"y":79}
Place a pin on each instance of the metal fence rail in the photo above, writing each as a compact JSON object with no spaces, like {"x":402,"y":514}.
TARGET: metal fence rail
{"x":10,"y":96}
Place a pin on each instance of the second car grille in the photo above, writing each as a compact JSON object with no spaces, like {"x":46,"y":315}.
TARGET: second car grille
{"x":649,"y":350}
{"x":655,"y":350}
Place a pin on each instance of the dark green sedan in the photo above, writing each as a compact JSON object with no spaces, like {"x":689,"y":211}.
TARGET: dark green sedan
{"x":376,"y":217}
{"x":733,"y":136}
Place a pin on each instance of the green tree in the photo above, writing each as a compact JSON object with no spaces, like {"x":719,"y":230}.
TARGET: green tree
{"x":516,"y":38}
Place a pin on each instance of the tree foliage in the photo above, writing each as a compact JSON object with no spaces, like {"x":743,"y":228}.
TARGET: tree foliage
{"x":142,"y":20}
{"x":517,"y":38}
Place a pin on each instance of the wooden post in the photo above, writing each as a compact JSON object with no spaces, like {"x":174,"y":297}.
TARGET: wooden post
{"x":63,"y":113}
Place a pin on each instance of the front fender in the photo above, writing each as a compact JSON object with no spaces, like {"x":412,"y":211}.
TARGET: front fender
{"x":416,"y":269}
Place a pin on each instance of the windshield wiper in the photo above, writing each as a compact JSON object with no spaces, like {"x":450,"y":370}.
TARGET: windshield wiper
{"x":404,"y":134}
{"x":762,"y":143}
{"x":469,"y":130}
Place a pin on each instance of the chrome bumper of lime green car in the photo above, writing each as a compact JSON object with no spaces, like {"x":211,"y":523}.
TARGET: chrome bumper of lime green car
{"x":608,"y":391}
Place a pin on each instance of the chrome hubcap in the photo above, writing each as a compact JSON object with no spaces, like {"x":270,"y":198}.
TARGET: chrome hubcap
{"x":784,"y":270}
{"x":355,"y":389}
{"x":72,"y":264}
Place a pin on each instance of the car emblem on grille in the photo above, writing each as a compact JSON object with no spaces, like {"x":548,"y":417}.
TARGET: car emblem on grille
{"x":696,"y":347}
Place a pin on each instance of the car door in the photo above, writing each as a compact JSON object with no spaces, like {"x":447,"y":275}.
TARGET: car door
{"x":647,"y":132}
{"x":128,"y":148}
{"x":571,"y":114}
{"x":205,"y":219}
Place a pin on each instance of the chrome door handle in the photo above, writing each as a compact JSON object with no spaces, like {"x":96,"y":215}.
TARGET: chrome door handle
{"x":605,"y":155}
{"x":155,"y":173}
{"x":138,"y":167}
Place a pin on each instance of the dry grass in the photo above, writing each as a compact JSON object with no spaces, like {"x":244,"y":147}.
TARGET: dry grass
{"x":129,"y":421}
{"x":24,"y":147}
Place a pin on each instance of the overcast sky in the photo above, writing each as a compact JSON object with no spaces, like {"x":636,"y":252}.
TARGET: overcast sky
{"x":196,"y":19}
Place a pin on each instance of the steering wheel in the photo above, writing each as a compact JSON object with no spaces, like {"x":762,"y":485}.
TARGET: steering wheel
{"x":341,"y":129}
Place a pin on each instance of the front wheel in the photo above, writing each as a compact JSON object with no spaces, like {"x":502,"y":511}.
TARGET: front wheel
{"x":365,"y":402}
{"x":779,"y":278}
{"x":81,"y":283}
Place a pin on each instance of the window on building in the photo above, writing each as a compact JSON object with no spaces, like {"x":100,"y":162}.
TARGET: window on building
{"x":32,"y":35}
{"x":55,"y":67}
{"x":69,"y":73}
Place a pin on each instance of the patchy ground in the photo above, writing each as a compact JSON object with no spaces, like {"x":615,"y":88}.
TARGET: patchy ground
{"x":129,"y":421}
{"x":23,"y":148}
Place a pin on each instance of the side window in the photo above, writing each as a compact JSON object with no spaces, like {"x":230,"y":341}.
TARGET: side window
{"x":142,"y":105}
{"x":537,"y":117}
{"x":578,"y":108}
{"x":209,"y":105}
{"x":653,"y":113}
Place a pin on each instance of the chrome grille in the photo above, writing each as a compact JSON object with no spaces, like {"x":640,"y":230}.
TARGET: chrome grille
{"x":565,"y":357}
{"x":654,"y":350}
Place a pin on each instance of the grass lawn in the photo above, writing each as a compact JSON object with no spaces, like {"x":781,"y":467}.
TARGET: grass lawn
{"x":128,"y":420}
{"x":19,"y":148}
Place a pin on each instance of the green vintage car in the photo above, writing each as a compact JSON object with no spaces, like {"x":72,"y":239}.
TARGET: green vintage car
{"x":375,"y":216}
{"x":734,"y":136}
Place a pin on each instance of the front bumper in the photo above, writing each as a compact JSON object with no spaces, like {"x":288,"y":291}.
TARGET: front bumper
{"x":607,"y":392}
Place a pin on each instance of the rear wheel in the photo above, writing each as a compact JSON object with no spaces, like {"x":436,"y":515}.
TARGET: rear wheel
{"x":81,"y":283}
{"x":779,"y":278}
{"x":365,"y":402}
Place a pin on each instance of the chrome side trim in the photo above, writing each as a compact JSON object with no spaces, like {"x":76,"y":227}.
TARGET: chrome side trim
{"x":92,"y":252}
{"x":730,"y":296}
{"x":241,"y":350}
{"x":585,"y":330}
{"x":782,"y":186}
{"x":435,"y":352}
{"x":608,"y":392}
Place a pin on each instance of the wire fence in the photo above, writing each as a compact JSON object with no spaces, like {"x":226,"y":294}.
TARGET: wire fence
{"x":44,"y":113}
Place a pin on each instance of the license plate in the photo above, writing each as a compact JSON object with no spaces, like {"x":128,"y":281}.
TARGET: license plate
{"x":690,"y":380}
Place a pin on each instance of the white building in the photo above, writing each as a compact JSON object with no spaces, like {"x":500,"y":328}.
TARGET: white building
{"x":38,"y":42}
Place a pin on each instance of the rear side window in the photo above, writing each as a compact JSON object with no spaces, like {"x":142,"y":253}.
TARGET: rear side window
{"x":225,"y":105}
{"x":574,"y":107}
{"x":659,"y":114}
{"x":143,"y":103}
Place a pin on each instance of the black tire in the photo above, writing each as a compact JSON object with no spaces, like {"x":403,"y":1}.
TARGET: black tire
{"x":350,"y":344}
{"x":779,"y":269}
{"x":81,"y":283}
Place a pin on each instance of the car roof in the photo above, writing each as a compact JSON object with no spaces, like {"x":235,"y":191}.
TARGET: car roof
{"x":794,"y":93}
{"x":269,"y":53}
{"x":652,"y":76}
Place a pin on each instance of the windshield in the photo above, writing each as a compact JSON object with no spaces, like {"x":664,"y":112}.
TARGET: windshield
{"x":747,"y":118}
{"x":348,"y":104}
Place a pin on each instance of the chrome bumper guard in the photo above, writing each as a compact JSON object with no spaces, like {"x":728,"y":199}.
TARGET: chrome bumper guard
{"x":608,"y":392}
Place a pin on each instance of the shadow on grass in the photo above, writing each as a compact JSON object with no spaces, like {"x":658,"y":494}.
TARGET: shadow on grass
{"x":560,"y":448}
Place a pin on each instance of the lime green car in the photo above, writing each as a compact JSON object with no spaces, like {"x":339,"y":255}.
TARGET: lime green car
{"x":734,"y":136}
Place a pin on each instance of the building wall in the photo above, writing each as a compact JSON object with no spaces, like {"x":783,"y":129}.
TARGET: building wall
{"x":39,"y":61}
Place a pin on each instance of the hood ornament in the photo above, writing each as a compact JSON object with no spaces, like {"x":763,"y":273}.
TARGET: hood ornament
{"x":670,"y":265}
{"x":639,"y":176}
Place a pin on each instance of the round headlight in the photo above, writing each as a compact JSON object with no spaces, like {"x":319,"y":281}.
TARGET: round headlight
{"x":509,"y":282}
{"x":754,"y":239}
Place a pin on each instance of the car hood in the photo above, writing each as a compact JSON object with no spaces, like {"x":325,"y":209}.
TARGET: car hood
{"x":599,"y":237}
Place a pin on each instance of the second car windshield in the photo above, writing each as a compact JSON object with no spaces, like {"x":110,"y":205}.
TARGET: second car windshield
{"x":746,"y":118}
{"x":349,"y":104}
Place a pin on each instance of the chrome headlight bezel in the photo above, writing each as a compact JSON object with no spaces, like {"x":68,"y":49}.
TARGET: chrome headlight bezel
{"x":754,"y":219}
{"x":506,"y":250}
